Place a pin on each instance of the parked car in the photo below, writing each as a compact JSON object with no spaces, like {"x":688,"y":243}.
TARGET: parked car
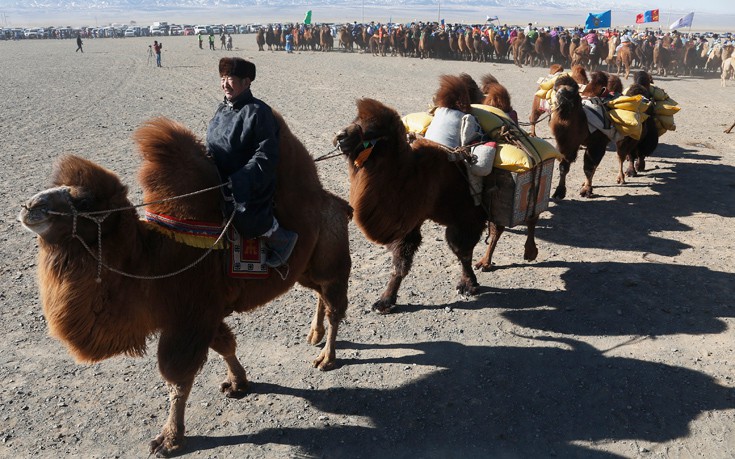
{"x":201,"y":29}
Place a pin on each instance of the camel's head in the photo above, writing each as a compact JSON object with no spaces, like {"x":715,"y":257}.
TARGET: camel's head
{"x":375,"y":123}
{"x":567,"y":93}
{"x":79,"y":187}
{"x":642,"y":78}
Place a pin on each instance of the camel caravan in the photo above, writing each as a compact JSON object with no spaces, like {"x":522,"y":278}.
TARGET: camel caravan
{"x":619,"y":50}
{"x":109,"y":279}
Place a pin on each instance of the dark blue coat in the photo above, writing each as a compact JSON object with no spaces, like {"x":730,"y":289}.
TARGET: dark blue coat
{"x":242,"y":138}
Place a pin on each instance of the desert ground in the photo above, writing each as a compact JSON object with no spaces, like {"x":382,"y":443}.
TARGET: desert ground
{"x":617,"y":341}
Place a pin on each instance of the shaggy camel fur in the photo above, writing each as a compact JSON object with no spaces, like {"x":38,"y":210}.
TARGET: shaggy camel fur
{"x":186,"y":311}
{"x":396,"y":186}
{"x":570,"y":130}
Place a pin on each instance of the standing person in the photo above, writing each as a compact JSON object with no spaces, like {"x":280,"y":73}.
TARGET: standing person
{"x":222,"y":41}
{"x":79,"y":43}
{"x":229,"y":42}
{"x":201,"y":39}
{"x":242,"y":139}
{"x":289,"y":43}
{"x":211,"y":41}
{"x":157,"y":51}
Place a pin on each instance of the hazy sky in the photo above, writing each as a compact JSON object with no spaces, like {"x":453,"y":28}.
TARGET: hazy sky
{"x":711,"y":6}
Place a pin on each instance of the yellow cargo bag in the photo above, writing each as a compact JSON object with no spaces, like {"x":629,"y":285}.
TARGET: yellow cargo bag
{"x":543,"y":93}
{"x":628,"y":122}
{"x":631,"y":103}
{"x":417,"y":122}
{"x":490,"y":118}
{"x":666,"y":107}
{"x":511,"y":158}
{"x":658,"y":93}
{"x":664,"y":123}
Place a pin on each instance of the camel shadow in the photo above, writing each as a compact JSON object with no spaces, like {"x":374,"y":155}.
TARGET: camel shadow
{"x":630,"y":222}
{"x":503,"y":401}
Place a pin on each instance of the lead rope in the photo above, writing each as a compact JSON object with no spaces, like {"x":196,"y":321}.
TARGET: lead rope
{"x":107,"y":213}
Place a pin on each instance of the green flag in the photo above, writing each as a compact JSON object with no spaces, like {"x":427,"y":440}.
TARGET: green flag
{"x":307,"y":18}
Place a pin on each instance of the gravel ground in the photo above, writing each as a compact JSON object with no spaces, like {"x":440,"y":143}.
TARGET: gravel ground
{"x":616,"y":342}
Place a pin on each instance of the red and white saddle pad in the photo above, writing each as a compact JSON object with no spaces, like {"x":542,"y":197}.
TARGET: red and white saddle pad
{"x":247,"y":257}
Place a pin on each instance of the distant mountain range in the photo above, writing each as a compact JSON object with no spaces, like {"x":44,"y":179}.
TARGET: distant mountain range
{"x":555,"y":12}
{"x":157,"y":4}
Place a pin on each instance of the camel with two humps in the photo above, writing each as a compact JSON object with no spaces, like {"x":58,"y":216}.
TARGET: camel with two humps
{"x":110,"y":281}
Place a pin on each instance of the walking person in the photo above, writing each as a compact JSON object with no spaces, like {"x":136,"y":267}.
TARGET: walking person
{"x":157,"y":51}
{"x":242,"y":139}
{"x":201,"y":39}
{"x":79,"y":43}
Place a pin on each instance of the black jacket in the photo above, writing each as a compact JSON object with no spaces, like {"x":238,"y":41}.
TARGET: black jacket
{"x":242,"y":138}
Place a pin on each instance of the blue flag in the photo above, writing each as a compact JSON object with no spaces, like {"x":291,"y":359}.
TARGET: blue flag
{"x":596,"y":21}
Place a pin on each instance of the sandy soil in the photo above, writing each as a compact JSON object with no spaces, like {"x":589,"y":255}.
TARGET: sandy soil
{"x":616,"y":342}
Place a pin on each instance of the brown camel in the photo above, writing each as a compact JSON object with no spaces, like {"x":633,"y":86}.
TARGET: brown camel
{"x":98,"y":319}
{"x":570,"y":130}
{"x":661,"y":57}
{"x":624,"y":58}
{"x":260,"y":38}
{"x":389,"y":192}
{"x":345,"y":38}
{"x":636,"y":151}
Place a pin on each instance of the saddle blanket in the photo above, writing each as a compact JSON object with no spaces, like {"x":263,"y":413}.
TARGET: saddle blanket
{"x":247,"y":257}
{"x":598,"y":119}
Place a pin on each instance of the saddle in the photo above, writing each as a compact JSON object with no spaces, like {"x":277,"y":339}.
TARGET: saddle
{"x":246,"y":256}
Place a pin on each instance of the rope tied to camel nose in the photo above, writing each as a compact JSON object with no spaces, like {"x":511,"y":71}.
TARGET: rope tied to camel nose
{"x":98,"y":221}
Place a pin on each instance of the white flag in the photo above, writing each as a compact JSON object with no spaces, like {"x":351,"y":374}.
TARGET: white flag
{"x":684,"y":21}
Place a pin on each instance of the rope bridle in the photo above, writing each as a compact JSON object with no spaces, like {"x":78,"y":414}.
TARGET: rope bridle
{"x":99,"y":216}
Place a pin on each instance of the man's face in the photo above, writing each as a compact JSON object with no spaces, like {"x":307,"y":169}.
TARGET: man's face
{"x":233,"y":86}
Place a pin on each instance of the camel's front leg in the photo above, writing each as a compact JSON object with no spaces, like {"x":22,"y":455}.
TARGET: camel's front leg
{"x":403,"y":253}
{"x":561,"y":188}
{"x":181,"y":353}
{"x":171,"y":438}
{"x":486,"y":262}
{"x":592,"y":159}
{"x":224,"y":343}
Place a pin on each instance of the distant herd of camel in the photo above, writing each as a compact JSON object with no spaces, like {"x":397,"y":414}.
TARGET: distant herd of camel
{"x":667,"y":54}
